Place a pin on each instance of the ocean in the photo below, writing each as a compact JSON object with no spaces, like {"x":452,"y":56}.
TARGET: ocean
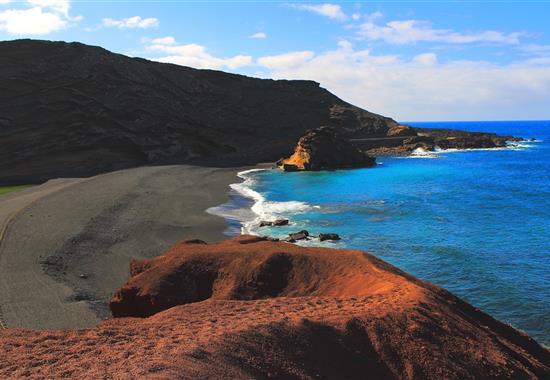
{"x":475,"y":222}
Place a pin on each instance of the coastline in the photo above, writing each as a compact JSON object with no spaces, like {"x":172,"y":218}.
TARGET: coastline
{"x":246,"y":207}
{"x":64,"y":254}
{"x":393,"y":231}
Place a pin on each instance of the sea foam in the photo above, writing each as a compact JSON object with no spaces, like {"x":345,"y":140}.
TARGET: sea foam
{"x":261,"y":208}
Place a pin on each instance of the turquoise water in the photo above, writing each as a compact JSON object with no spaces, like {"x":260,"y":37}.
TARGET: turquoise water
{"x":474,"y":222}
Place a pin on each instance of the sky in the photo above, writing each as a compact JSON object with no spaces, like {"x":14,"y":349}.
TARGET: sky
{"x":410,"y":60}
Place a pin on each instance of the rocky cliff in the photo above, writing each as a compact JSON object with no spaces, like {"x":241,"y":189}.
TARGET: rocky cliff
{"x":68,"y":109}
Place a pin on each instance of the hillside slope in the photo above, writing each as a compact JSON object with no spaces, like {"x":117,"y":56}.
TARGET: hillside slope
{"x":249,"y":308}
{"x":68,"y":109}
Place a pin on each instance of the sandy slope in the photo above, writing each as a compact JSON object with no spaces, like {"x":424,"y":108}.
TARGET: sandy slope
{"x":92,"y":228}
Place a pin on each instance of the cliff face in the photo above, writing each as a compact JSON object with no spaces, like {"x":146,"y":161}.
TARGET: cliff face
{"x":323,"y":148}
{"x":249,"y":308}
{"x":71,"y":109}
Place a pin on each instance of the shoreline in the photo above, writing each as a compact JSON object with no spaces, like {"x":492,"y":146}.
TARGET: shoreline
{"x":245,"y":207}
{"x":64,"y":254}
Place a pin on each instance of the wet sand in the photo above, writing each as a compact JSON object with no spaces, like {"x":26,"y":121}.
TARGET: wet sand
{"x":67,"y":248}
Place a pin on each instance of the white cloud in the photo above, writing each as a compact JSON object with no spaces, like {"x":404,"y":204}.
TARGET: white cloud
{"x":428,"y":59}
{"x":60,"y":6}
{"x":37,"y":17}
{"x":131,"y":22}
{"x":367,"y":16}
{"x":258,"y":35}
{"x":5,"y":1}
{"x":536,"y":49}
{"x":197,"y":56}
{"x":164,"y":41}
{"x":332,"y":11}
{"x":285,"y":61}
{"x":422,"y":88}
{"x":411,"y":31}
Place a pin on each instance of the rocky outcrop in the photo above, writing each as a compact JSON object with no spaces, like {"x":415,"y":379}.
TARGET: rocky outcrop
{"x":454,"y":139}
{"x":248,"y":308}
{"x":70,"y":109}
{"x":323,"y":148}
{"x":429,"y":139}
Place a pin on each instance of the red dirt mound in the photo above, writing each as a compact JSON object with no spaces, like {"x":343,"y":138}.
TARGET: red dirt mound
{"x":250,"y":308}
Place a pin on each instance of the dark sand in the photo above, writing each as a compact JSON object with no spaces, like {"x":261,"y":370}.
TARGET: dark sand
{"x":65,"y":253}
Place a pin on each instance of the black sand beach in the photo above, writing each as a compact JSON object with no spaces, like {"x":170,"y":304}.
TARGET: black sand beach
{"x":68,"y":246}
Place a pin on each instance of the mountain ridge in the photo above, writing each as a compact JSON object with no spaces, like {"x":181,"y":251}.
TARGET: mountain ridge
{"x":70,"y":109}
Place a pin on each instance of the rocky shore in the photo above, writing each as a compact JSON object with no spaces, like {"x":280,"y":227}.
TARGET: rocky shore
{"x":249,"y":308}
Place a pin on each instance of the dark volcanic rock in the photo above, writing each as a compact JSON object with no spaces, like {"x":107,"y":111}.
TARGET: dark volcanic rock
{"x":330,"y":236}
{"x":454,"y":139}
{"x":324,"y":148}
{"x":301,"y":235}
{"x":70,"y":109}
{"x":275,"y":223}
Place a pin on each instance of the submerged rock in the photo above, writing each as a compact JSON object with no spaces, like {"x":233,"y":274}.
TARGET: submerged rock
{"x":323,"y":148}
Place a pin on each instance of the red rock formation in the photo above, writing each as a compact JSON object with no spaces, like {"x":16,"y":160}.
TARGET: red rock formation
{"x":265,"y":310}
{"x":323,"y":148}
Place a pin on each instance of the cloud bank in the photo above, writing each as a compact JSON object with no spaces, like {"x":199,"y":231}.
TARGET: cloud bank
{"x":36,"y":17}
{"x":193,"y":55}
{"x":421,"y":88}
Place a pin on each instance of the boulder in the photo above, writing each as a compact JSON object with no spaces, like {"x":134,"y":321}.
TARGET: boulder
{"x":324,"y":149}
{"x":275,"y":223}
{"x":280,"y":222}
{"x":301,"y":235}
{"x":329,"y":236}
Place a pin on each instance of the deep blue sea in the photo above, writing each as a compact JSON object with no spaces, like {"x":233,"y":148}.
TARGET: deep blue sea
{"x":474,"y":222}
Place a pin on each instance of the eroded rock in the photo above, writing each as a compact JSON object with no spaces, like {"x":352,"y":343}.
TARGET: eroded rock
{"x":324,"y":149}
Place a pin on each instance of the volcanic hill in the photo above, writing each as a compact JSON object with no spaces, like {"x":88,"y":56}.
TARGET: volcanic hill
{"x":249,"y":308}
{"x":68,"y":109}
{"x":73,"y":110}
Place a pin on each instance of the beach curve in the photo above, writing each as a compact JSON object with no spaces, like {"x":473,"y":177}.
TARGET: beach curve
{"x":66,"y":249}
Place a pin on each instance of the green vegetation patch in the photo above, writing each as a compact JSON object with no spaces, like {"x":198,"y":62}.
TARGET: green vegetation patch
{"x":9,"y":189}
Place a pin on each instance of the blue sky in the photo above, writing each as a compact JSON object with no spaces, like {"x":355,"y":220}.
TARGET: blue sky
{"x":409,"y":60}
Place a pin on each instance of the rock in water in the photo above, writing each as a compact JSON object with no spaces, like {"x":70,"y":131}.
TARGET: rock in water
{"x":275,"y":223}
{"x":280,"y":222}
{"x":323,"y":148}
{"x":323,"y":237}
{"x":301,"y":235}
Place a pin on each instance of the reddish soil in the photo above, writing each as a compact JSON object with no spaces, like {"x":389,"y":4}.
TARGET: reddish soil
{"x":251,"y":308}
